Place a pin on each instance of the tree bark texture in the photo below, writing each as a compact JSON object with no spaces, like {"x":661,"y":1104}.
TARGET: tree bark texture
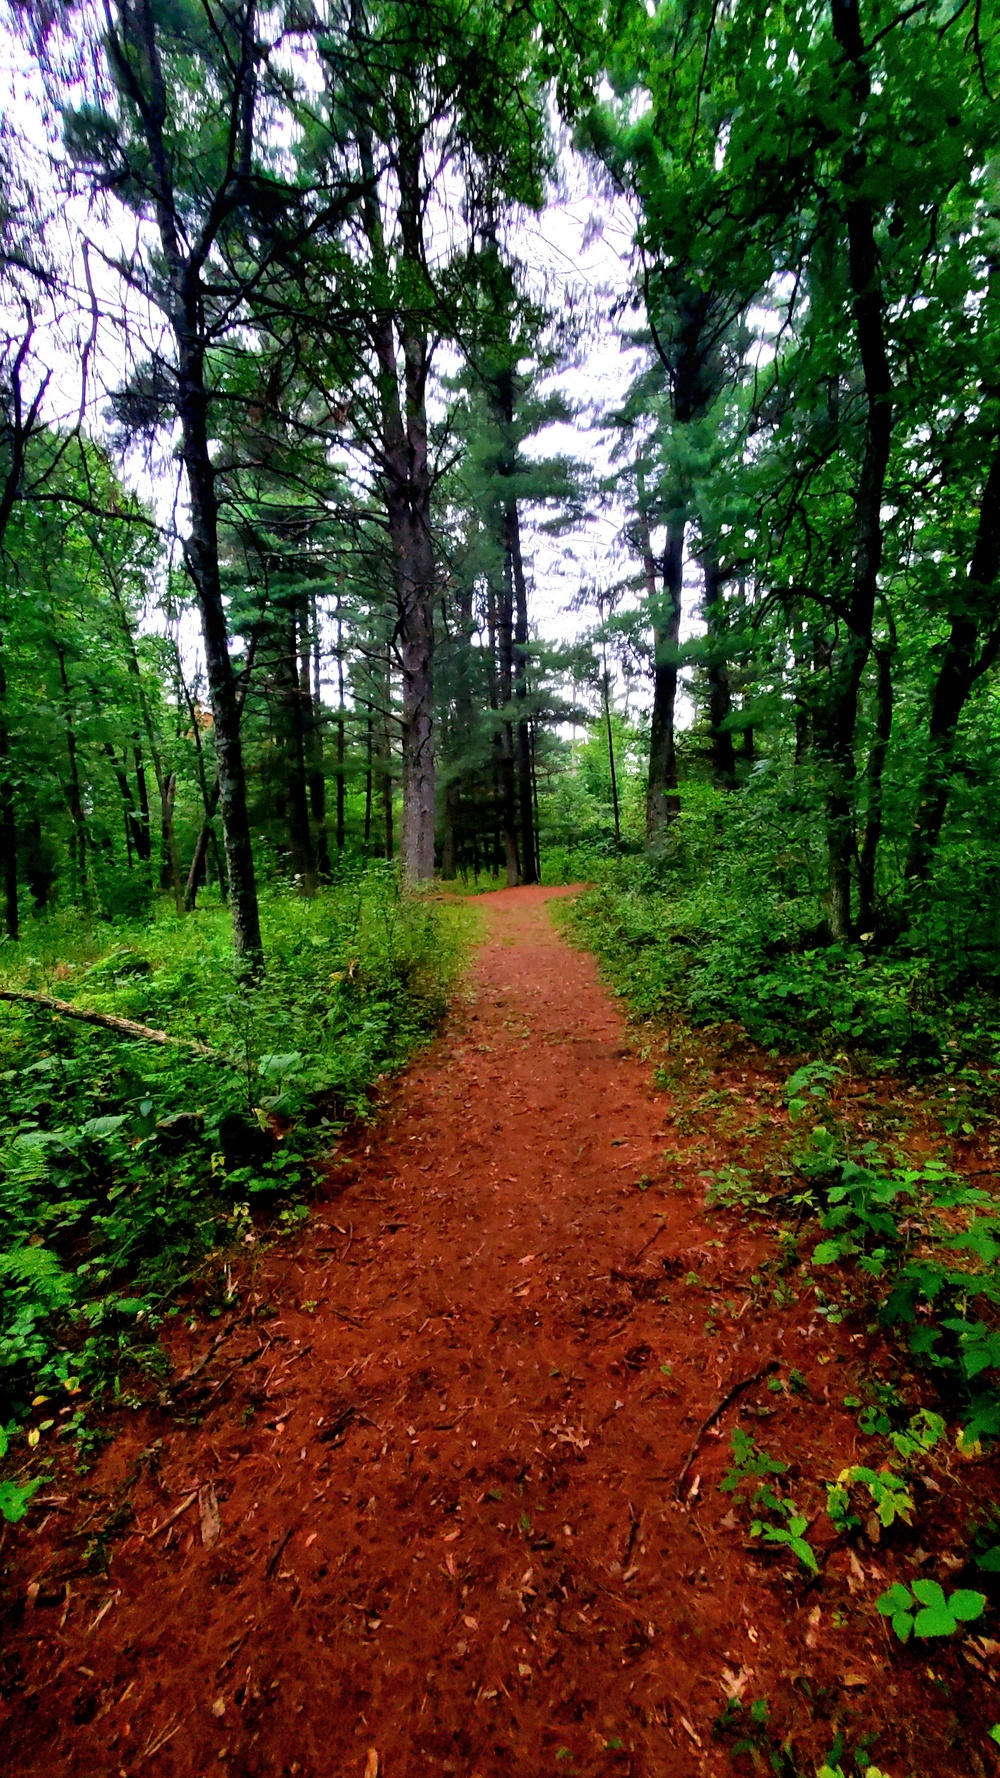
{"x":836,"y":731}
{"x":135,"y":57}
{"x":720,"y":697}
{"x":970,"y":650}
{"x":662,"y":801}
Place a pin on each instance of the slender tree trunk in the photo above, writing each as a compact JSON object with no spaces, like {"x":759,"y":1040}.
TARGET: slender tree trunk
{"x":311,"y":693}
{"x":368,"y":783}
{"x":505,"y":693}
{"x":960,"y":667}
{"x":170,"y":874}
{"x":8,"y":820}
{"x":17,"y":443}
{"x":341,"y":740}
{"x":662,"y":801}
{"x":449,"y":842}
{"x":169,"y":871}
{"x":74,"y":793}
{"x":525,"y":804}
{"x":295,"y":699}
{"x":848,"y":663}
{"x":407,"y":487}
{"x":390,"y":844}
{"x":720,"y":697}
{"x":143,"y":835}
{"x":606,"y":685}
{"x":207,"y":837}
{"x":868,"y":851}
{"x":203,"y":562}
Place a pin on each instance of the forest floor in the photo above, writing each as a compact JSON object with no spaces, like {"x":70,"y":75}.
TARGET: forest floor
{"x":414,"y":1508}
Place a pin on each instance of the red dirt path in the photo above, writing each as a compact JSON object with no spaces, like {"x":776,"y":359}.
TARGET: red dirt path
{"x":445,"y":1469}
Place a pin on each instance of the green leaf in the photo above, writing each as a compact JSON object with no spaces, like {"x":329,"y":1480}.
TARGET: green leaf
{"x":967,"y":1605}
{"x":96,"y":1127}
{"x":929,"y":1593}
{"x":902,"y":1623}
{"x":895,"y":1598}
{"x":934,"y":1620}
{"x":805,"y":1553}
{"x":826,"y":1253}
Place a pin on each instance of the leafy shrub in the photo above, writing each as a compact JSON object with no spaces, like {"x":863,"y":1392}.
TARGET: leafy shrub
{"x":922,"y":1609}
{"x":123,"y":1164}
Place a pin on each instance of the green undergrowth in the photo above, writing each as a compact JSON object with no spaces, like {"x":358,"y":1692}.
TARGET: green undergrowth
{"x":125,"y":1166}
{"x":726,"y":926}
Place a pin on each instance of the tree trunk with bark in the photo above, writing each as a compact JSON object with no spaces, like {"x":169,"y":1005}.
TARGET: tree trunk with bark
{"x":662,"y":801}
{"x":836,"y":731}
{"x":720,"y":696}
{"x":971,"y":648}
{"x":874,"y":774}
{"x":525,"y":804}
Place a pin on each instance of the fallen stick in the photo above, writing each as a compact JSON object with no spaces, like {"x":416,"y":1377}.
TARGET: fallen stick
{"x":110,"y":1021}
{"x":636,"y":1257}
{"x":178,"y":1510}
{"x":278,"y":1553}
{"x":716,"y":1414}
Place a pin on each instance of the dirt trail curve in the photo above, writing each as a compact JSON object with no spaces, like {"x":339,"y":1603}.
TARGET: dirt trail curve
{"x":444,"y":1470}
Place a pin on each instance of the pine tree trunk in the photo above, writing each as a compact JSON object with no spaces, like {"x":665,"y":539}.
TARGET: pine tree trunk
{"x":368,"y":783}
{"x":8,"y":819}
{"x":957,"y":674}
{"x":525,"y":802}
{"x":310,"y":688}
{"x":872,"y":834}
{"x":143,"y":832}
{"x":74,"y":794}
{"x":851,"y":656}
{"x":449,"y":847}
{"x":407,"y":491}
{"x":720,"y":697}
{"x":505,"y":693}
{"x":662,"y":801}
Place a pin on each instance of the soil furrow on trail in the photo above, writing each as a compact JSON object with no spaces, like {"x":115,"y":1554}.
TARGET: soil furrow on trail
{"x":428,"y":1507}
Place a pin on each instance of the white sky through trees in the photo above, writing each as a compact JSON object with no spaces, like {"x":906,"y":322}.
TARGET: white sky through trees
{"x":575,"y":258}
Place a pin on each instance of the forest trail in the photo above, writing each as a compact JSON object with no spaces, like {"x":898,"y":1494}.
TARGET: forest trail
{"x":427,"y":1511}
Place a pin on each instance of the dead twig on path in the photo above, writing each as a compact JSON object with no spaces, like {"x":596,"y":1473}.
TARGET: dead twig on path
{"x":716,"y":1414}
{"x":636,"y":1257}
{"x":178,"y":1510}
{"x":279,"y":1552}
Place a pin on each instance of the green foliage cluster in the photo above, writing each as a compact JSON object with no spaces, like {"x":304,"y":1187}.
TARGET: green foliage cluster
{"x":725,"y":924}
{"x":124,"y":1164}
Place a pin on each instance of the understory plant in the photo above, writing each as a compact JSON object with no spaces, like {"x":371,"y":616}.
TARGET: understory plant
{"x":126,"y":1165}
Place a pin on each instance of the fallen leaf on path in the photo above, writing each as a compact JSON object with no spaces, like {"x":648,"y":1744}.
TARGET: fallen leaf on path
{"x":371,"y":1764}
{"x":688,"y":1730}
{"x":854,"y":1681}
{"x":856,"y":1578}
{"x":735,"y":1684}
{"x":219,"y":1706}
{"x":211,"y":1518}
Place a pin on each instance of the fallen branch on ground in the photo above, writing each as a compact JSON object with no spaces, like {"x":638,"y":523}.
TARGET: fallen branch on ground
{"x":110,"y":1021}
{"x":717,"y":1412}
